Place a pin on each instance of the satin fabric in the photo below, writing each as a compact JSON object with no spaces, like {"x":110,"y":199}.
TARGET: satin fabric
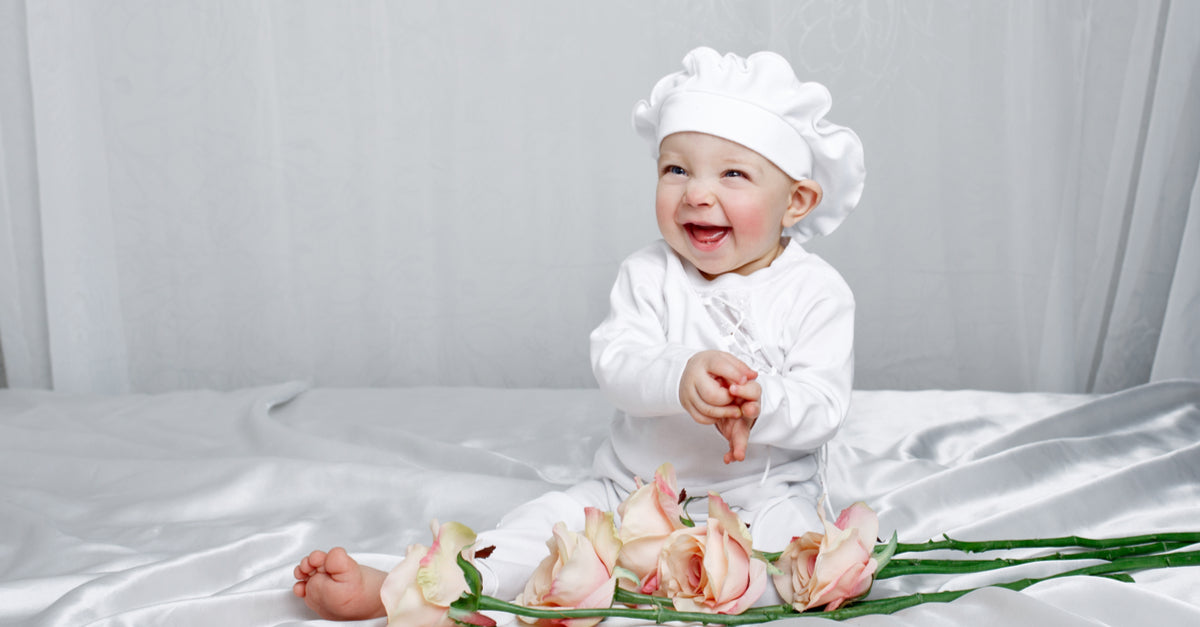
{"x":192,"y":508}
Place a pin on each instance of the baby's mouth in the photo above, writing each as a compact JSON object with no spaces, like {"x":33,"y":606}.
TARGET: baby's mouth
{"x":706,"y":236}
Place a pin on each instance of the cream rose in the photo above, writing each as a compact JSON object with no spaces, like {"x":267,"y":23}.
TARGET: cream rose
{"x":650,"y":514}
{"x":418,"y":592}
{"x":712,"y":568}
{"x":578,"y":573}
{"x":831,"y":569}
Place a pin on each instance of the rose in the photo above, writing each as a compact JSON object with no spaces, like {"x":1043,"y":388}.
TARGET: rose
{"x":650,"y":514}
{"x":578,"y":573}
{"x":833,"y":568}
{"x":844,"y":568}
{"x":712,"y":568}
{"x":796,"y":565}
{"x":418,"y":592}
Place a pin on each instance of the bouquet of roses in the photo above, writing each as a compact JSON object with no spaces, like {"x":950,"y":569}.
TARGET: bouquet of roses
{"x":660,"y":566}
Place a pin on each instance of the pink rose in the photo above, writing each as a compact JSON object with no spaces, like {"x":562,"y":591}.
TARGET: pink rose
{"x":650,"y":514}
{"x":578,"y":573}
{"x":418,"y":592}
{"x":712,"y":568}
{"x":796,"y":564}
{"x":833,"y":568}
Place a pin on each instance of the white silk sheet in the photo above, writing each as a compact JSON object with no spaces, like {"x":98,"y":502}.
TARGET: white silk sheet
{"x":191,"y":508}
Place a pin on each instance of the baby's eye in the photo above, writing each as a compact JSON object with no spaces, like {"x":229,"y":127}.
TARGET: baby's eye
{"x":674,"y":169}
{"x":735,"y":173}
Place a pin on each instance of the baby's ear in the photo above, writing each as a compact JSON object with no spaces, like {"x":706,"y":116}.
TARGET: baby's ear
{"x":806,"y":195}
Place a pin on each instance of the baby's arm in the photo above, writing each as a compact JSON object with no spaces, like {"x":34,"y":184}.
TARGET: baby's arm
{"x":634,"y":364}
{"x":803,"y":405}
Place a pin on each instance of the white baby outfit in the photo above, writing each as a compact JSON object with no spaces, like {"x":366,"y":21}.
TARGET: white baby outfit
{"x":792,"y":322}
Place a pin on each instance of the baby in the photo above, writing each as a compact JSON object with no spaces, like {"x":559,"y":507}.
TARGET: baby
{"x":726,"y":340}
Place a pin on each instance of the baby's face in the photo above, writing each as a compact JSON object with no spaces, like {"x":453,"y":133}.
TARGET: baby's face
{"x":721,"y":205}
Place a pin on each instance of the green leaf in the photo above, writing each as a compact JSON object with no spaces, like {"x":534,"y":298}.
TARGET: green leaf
{"x":686,"y":518}
{"x":465,"y":604}
{"x":883,"y":553}
{"x":624,"y":573}
{"x":770,"y":559}
{"x":471,"y":574}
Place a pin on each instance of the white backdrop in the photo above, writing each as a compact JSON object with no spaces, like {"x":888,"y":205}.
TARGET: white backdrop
{"x":232,"y":193}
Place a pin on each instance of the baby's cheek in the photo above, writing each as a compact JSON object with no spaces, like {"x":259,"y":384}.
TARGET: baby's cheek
{"x":752,"y":223}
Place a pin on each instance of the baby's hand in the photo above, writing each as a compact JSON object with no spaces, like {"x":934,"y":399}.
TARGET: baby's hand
{"x":705,"y":389}
{"x":737,"y":430}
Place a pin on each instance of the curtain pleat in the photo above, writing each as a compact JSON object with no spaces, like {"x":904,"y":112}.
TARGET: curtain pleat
{"x":225,"y":194}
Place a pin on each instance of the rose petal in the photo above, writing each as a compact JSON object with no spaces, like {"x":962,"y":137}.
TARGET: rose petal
{"x":797,"y":562}
{"x":754,"y":591}
{"x":641,"y":555}
{"x":652,"y":509}
{"x":439,"y":576}
{"x":860,"y":516}
{"x":579,"y":573}
{"x":601,"y":531}
{"x":648,"y":516}
{"x":402,"y":597}
{"x":711,"y":568}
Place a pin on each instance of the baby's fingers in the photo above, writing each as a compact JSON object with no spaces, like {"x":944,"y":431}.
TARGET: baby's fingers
{"x":713,"y":392}
{"x":739,"y":437}
{"x":739,"y":440}
{"x":737,"y":433}
{"x":709,"y":414}
{"x":732,"y":369}
{"x":748,"y":391}
{"x":704,"y":412}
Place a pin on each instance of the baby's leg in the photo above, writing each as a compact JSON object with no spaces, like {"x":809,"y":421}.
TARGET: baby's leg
{"x":775,"y":520}
{"x":338,"y":588}
{"x":520,"y":538}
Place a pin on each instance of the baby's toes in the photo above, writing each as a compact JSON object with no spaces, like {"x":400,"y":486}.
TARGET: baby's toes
{"x":310,"y":565}
{"x":338,"y":561}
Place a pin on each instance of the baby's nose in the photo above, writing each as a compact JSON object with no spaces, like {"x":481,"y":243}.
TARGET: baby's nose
{"x":698,"y":193}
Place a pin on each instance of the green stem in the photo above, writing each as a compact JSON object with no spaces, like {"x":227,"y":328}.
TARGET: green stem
{"x":634,"y":598}
{"x":1121,"y":565}
{"x":1135,"y":563}
{"x":1184,"y":538}
{"x":658,"y":614}
{"x":1179,"y":539}
{"x":899,"y":567}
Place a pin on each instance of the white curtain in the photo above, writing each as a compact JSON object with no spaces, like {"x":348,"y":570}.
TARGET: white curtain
{"x":232,"y":193}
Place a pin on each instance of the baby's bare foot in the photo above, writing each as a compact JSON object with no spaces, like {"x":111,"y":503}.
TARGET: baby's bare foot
{"x":338,"y":588}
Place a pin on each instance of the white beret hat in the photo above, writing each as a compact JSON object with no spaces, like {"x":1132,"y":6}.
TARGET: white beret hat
{"x":759,"y":103}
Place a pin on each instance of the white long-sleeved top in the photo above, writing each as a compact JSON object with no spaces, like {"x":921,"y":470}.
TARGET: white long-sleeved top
{"x":792,"y":322}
